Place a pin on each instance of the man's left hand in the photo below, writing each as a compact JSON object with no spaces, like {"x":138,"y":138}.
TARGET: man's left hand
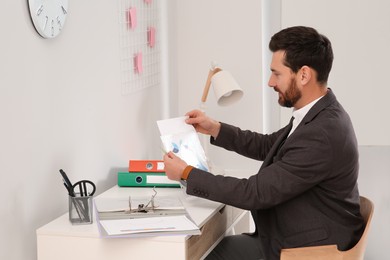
{"x":173,"y":166}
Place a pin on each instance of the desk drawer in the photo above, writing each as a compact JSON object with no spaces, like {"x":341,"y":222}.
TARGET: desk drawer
{"x":212,"y":230}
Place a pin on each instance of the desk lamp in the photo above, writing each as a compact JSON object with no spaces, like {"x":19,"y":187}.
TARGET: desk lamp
{"x":226,"y":89}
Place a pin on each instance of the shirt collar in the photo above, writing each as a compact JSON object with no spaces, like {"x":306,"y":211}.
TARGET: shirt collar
{"x":299,"y":114}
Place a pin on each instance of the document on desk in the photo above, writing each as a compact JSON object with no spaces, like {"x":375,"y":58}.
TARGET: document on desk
{"x":181,"y":138}
{"x":151,"y":226}
{"x":133,"y":216}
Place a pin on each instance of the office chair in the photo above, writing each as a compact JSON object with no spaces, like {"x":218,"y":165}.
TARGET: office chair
{"x":328,"y":252}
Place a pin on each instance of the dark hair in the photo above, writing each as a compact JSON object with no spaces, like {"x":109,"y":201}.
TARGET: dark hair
{"x":304,"y":46}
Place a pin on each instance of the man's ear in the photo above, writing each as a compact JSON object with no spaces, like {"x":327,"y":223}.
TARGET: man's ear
{"x":306,"y":74}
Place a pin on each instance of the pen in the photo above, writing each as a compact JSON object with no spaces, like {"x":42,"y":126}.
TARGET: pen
{"x":68,"y":185}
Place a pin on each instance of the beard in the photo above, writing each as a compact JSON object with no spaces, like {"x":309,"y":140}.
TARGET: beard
{"x":291,"y":96}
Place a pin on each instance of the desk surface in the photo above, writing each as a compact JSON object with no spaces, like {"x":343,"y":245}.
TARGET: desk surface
{"x":213,"y":218}
{"x":199,"y":209}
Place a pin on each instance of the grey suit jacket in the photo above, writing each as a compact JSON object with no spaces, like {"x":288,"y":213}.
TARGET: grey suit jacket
{"x":305,"y":192}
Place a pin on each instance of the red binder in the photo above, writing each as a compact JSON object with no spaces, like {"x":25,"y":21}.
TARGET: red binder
{"x":146,"y":166}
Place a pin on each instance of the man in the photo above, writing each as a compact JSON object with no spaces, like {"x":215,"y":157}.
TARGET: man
{"x":305,"y":192}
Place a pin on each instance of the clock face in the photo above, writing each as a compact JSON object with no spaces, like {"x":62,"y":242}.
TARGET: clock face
{"x":48,"y":16}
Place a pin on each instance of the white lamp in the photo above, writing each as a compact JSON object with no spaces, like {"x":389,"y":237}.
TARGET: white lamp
{"x":226,"y":89}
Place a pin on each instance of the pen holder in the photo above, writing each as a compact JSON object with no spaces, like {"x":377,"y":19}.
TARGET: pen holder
{"x":80,"y":210}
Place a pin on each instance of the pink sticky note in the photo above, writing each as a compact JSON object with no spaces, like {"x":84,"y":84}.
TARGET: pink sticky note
{"x":132,"y":17}
{"x":151,"y":36}
{"x":148,"y":1}
{"x":138,"y":63}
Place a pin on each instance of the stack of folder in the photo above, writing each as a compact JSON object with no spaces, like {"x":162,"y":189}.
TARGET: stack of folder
{"x":145,"y":173}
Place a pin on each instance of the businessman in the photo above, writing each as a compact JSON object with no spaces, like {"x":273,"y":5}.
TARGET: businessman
{"x":306,"y":192}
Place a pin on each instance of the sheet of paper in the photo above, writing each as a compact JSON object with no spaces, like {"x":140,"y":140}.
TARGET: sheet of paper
{"x":181,"y":138}
{"x":174,"y":126}
{"x":148,"y":225}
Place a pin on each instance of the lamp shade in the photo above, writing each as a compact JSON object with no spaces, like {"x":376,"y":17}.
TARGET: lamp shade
{"x":226,"y":89}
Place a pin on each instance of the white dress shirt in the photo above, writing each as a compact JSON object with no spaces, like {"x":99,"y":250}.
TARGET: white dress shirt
{"x":299,"y":114}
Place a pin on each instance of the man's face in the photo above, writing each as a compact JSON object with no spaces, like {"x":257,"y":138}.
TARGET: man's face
{"x":283,"y":81}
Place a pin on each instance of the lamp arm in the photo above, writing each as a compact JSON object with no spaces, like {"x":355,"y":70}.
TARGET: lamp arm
{"x":208,"y":83}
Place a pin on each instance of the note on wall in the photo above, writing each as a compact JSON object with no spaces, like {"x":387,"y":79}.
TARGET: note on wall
{"x":139,"y":22}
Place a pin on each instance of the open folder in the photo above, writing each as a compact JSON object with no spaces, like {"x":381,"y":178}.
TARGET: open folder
{"x":116,"y":217}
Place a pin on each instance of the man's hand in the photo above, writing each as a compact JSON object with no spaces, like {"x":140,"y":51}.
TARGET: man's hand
{"x":202,"y":123}
{"x":173,"y":166}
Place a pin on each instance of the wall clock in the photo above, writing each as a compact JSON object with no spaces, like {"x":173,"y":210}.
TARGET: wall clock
{"x":48,"y":16}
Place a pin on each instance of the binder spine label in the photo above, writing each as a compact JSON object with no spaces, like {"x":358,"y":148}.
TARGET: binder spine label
{"x":146,"y":166}
{"x":145,"y":179}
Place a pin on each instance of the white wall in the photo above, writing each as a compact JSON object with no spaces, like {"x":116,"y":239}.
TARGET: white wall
{"x":228,"y":32}
{"x":374,"y":180}
{"x":61,"y":107}
{"x":359,"y":31}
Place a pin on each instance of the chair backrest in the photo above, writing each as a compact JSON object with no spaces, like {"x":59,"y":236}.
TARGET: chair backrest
{"x":330,"y":251}
{"x":357,"y":252}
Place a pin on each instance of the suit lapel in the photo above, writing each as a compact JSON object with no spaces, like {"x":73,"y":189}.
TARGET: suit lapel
{"x":278,"y":143}
{"x":317,"y":108}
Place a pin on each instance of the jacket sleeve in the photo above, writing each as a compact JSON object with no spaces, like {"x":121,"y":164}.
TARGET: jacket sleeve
{"x":297,"y":167}
{"x":244,"y":142}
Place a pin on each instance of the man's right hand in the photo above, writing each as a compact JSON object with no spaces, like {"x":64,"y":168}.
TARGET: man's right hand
{"x":203,"y":124}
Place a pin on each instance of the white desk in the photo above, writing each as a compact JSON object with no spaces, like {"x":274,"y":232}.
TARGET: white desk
{"x":60,"y":240}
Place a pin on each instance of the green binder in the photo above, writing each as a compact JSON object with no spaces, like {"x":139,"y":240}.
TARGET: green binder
{"x":145,"y":179}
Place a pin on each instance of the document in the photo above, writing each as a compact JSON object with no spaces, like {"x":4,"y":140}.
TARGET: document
{"x":155,"y":225}
{"x":143,"y":216}
{"x":181,"y":138}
